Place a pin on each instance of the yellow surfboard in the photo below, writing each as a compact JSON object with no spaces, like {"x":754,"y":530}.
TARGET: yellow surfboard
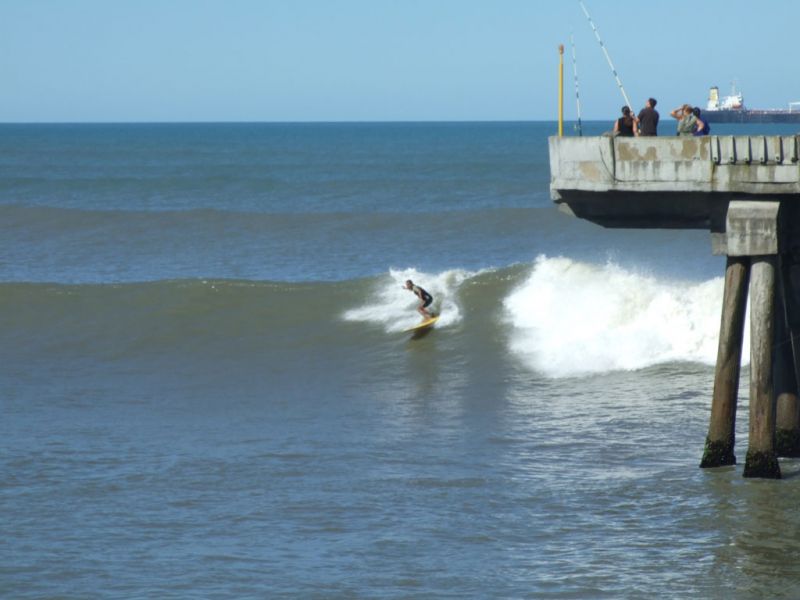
{"x":424,"y":325}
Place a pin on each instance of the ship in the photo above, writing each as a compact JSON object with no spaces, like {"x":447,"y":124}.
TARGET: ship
{"x":731,"y":109}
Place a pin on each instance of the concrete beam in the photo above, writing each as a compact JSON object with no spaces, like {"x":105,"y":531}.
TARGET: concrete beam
{"x":751,"y":228}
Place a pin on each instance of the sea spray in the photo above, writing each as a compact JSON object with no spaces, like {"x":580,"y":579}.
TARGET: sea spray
{"x":394,"y":307}
{"x":571,"y":318}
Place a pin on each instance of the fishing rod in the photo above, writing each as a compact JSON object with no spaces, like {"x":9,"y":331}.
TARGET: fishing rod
{"x":608,"y":58}
{"x":577,"y":93}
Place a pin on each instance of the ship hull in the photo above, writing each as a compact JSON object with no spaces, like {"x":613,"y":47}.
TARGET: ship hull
{"x":751,"y":116}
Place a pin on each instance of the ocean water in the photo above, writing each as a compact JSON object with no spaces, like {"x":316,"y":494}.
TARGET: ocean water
{"x":206,"y":391}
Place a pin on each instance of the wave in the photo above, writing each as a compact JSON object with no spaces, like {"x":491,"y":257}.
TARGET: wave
{"x":570,"y":318}
{"x":556,"y":317}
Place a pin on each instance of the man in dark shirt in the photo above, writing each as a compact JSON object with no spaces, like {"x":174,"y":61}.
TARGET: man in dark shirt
{"x":648,"y":118}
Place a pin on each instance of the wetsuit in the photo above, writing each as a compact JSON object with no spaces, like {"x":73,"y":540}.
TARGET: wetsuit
{"x":426,"y":298}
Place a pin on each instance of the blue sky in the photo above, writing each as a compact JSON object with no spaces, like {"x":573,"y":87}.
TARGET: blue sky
{"x":368,"y":60}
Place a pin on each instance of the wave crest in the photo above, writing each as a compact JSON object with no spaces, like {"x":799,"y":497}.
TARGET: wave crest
{"x":570,"y":318}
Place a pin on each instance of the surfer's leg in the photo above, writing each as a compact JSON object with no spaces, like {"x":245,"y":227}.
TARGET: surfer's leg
{"x":426,"y":310}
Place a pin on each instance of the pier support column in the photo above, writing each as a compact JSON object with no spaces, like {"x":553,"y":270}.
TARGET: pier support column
{"x":762,"y":460}
{"x":787,"y":434}
{"x":721,"y":435}
{"x":787,"y":368}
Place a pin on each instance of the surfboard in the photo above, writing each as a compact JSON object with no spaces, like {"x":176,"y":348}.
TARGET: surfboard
{"x":424,"y":325}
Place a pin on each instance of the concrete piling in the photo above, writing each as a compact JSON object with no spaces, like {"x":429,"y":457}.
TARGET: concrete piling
{"x":762,"y":460}
{"x":787,"y":434}
{"x":785,"y":372}
{"x":721,"y":435}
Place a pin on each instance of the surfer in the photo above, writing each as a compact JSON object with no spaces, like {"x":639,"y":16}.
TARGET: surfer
{"x":425,"y":299}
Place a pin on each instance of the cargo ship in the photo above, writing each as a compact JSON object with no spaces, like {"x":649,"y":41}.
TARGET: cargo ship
{"x":731,"y":109}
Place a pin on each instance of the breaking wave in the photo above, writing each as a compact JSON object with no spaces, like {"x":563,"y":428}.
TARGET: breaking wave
{"x":570,"y":318}
{"x":556,"y":317}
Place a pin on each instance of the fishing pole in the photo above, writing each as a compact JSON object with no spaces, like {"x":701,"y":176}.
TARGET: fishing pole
{"x":577,"y":93}
{"x":608,"y":58}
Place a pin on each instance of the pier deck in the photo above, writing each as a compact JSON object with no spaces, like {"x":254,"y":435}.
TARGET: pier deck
{"x":669,"y":182}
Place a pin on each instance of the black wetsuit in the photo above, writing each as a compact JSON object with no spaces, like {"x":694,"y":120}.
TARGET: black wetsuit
{"x":423,"y":295}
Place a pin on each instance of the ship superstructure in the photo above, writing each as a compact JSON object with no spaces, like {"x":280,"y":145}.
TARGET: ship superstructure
{"x":732,"y":102}
{"x":731,"y":109}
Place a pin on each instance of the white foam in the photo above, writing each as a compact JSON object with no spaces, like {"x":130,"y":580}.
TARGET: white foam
{"x":394,"y":307}
{"x":572,"y":318}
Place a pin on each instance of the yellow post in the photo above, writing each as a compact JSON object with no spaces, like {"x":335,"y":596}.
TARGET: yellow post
{"x":561,"y":90}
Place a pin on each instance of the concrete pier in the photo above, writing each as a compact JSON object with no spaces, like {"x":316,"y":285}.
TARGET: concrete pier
{"x":745,"y":190}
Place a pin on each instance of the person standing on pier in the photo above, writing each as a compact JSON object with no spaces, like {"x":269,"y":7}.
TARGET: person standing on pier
{"x":626,"y":125}
{"x":686,"y":119}
{"x":648,"y":118}
{"x":701,"y":127}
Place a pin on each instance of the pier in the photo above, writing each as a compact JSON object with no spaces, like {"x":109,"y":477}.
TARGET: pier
{"x":745,"y":190}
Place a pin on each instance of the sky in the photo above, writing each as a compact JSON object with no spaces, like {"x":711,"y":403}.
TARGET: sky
{"x":383,"y":60}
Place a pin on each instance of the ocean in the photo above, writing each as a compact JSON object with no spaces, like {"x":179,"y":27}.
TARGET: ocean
{"x":207,"y":391}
